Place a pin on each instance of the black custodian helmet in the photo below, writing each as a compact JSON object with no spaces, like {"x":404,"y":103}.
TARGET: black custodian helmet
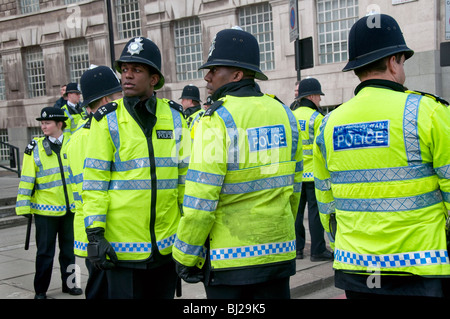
{"x":236,"y":48}
{"x":98,"y":82}
{"x":372,"y":38}
{"x":192,"y":92}
{"x":144,"y":51}
{"x":309,"y":86}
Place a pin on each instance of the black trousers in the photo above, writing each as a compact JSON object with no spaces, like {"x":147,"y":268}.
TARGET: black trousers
{"x":316,"y":231}
{"x":97,"y":284}
{"x":48,"y":229}
{"x":132,"y":283}
{"x":273,"y":289}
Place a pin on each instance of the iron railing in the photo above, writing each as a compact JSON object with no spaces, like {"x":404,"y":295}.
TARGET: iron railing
{"x":14,"y":159}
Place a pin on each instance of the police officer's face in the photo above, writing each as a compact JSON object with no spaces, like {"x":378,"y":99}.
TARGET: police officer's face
{"x":137,"y":80}
{"x":74,"y":97}
{"x":51,"y":128}
{"x":218,"y":76}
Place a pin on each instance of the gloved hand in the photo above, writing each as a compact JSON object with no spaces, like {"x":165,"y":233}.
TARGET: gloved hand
{"x":191,"y":275}
{"x":98,"y":248}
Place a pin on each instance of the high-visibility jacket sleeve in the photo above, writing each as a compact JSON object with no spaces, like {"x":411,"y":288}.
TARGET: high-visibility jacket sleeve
{"x":209,"y":160}
{"x":26,"y":185}
{"x":322,"y":183}
{"x":99,"y":150}
{"x":295,"y":198}
{"x":184,"y":155}
{"x":440,"y":133}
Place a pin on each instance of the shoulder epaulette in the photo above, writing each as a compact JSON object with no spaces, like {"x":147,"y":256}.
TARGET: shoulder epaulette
{"x":434,"y":97}
{"x":87,"y":125}
{"x":213,"y":108}
{"x":30,"y":147}
{"x":105,"y":109}
{"x":176,"y":106}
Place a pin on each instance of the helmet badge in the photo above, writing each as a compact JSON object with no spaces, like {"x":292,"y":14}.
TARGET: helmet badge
{"x":212,"y":47}
{"x":136,"y":47}
{"x":44,"y":114}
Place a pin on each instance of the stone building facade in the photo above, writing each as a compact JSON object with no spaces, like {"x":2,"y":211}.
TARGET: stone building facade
{"x":45,"y":43}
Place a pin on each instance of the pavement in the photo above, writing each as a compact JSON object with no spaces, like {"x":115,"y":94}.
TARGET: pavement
{"x":17,"y":266}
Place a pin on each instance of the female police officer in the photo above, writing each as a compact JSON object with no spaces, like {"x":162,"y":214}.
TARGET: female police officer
{"x":45,"y":193}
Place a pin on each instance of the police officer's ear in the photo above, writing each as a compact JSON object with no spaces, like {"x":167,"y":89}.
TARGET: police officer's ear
{"x":394,"y":62}
{"x":154,"y":79}
{"x":238,"y":75}
{"x":61,"y":125}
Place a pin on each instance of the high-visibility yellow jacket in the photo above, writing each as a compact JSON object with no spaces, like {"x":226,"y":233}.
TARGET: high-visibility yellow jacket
{"x":44,"y":183}
{"x":190,"y":113}
{"x":381,"y":164}
{"x":74,"y":118}
{"x":133,"y":185}
{"x":309,"y":120}
{"x":243,"y":186}
{"x":196,"y":118}
{"x":76,"y":155}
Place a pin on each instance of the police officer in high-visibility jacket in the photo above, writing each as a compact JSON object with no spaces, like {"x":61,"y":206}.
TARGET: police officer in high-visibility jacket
{"x":198,"y":116}
{"x":44,"y":192}
{"x":190,"y":100}
{"x":73,"y":109}
{"x":307,"y":114}
{"x":244,"y":180}
{"x":101,"y":87}
{"x":381,"y":168}
{"x":133,"y":186}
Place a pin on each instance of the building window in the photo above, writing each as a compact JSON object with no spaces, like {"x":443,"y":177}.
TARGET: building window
{"x":334,"y":21}
{"x":36,"y":131}
{"x":34,"y":65}
{"x":188,"y":49}
{"x":29,"y":6}
{"x":257,"y":19}
{"x":128,"y":18}
{"x":2,"y":81}
{"x":78,"y":57}
{"x":4,"y":150}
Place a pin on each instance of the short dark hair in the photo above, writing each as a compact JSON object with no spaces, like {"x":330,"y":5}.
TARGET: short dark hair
{"x":377,"y":66}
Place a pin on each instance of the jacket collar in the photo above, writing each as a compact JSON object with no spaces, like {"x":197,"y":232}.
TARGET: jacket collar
{"x":384,"y":84}
{"x":191,"y":110}
{"x":243,"y":88}
{"x":306,"y":103}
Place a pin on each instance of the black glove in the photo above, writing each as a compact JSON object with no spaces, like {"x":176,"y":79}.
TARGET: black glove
{"x":98,"y":248}
{"x":191,"y":275}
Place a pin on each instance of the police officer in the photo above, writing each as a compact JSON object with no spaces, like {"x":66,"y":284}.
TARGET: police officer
{"x":381,"y":168}
{"x":72,"y":108}
{"x":243,"y":185}
{"x":294,"y":105}
{"x":44,"y":192}
{"x":198,"y":116}
{"x":309,"y":118}
{"x":100,"y":86}
{"x":63,"y":99}
{"x":190,"y":100}
{"x":136,"y":162}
